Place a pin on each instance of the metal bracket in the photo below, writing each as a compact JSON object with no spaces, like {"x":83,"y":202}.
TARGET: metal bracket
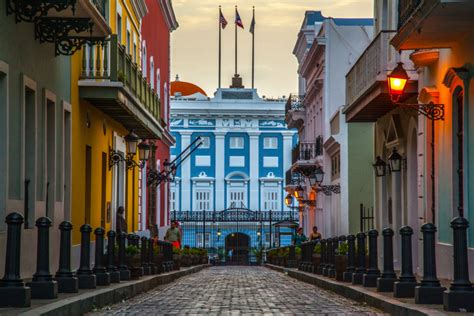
{"x":116,"y":157}
{"x":432,"y":111}
{"x":329,"y":189}
{"x":69,"y":45}
{"x":30,"y":10}
{"x":50,"y":29}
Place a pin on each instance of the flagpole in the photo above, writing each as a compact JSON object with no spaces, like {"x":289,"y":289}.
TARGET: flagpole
{"x":235,"y":24}
{"x":220,"y":49}
{"x":253,"y":50}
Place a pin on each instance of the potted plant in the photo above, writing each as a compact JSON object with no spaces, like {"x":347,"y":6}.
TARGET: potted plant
{"x":186,"y":257}
{"x":340,"y":259}
{"x":176,"y":258}
{"x":316,"y":256}
{"x":132,"y":258}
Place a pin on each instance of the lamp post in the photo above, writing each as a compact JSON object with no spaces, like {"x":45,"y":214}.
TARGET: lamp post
{"x":131,"y":144}
{"x":396,"y":82}
{"x":380,"y":167}
{"x":316,"y":179}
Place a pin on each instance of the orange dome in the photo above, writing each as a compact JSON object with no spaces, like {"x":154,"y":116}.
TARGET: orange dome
{"x":185,"y":88}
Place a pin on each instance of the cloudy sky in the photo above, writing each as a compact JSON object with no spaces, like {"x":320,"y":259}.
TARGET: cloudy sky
{"x":195,"y":42}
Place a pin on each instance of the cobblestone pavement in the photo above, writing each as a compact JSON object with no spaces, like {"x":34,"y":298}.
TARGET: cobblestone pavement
{"x":238,"y":291}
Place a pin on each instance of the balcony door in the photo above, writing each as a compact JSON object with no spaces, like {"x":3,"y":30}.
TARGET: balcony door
{"x":118,"y":180}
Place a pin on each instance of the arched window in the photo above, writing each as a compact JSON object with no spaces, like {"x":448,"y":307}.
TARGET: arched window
{"x":144,"y":59}
{"x":158,"y":82}
{"x":165,"y":102}
{"x":152,"y":71}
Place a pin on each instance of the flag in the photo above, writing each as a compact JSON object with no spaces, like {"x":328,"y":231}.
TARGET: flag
{"x":252,"y":25}
{"x":238,"y":20}
{"x":222,"y":20}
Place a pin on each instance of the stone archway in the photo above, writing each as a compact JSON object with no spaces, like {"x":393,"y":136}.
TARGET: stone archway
{"x":237,"y":247}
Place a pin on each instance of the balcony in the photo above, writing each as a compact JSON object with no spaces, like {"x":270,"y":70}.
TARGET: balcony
{"x":114,"y":84}
{"x":292,"y":179}
{"x":307,"y":155}
{"x":433,"y":23}
{"x":295,"y":111}
{"x":67,"y":24}
{"x":367,"y":97}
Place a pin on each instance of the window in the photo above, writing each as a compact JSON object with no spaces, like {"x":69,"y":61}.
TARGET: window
{"x":199,"y":241}
{"x":135,"y":55}
{"x":173,"y":200}
{"x":128,"y":39}
{"x":236,"y":142}
{"x":152,"y":71}
{"x":206,"y":142}
{"x":236,"y":197}
{"x":270,"y":143}
{"x":270,"y":200}
{"x":202,"y":200}
{"x":335,"y":166}
{"x":158,"y":86}
{"x":119,"y":28}
{"x":144,"y":60}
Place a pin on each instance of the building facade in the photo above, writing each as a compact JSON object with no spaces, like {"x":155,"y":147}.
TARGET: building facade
{"x":246,"y":148}
{"x":326,"y":48}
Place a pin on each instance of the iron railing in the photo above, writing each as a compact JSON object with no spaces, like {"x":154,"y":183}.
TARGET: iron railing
{"x":111,"y":62}
{"x":293,"y":177}
{"x":235,"y":215}
{"x":406,"y":8}
{"x":101,"y":6}
{"x":294,"y":103}
{"x":307,"y":150}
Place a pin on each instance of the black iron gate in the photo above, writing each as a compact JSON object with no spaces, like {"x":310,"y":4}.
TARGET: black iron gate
{"x":234,"y":235}
{"x":367,"y":219}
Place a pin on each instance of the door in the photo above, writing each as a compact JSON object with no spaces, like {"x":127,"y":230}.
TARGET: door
{"x":118,"y":180}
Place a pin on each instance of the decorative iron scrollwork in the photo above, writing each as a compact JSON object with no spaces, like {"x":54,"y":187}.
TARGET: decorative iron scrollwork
{"x":69,"y":45}
{"x":329,"y":189}
{"x":432,"y":111}
{"x":31,"y":10}
{"x":49,"y":29}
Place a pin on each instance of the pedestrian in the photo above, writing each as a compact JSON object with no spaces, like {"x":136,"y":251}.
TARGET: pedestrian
{"x":173,"y":235}
{"x":315,"y":235}
{"x":121,"y":223}
{"x":299,"y":237}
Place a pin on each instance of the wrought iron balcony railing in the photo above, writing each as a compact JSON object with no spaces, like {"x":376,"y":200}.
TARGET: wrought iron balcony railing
{"x":111,"y":63}
{"x":294,"y":103}
{"x":307,"y":151}
{"x":101,"y":6}
{"x":406,"y":8}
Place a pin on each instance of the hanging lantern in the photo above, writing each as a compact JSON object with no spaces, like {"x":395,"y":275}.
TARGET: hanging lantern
{"x":397,"y":81}
{"x":379,"y":166}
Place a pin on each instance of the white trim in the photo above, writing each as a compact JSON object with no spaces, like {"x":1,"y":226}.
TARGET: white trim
{"x":4,"y":135}
{"x":67,"y":165}
{"x":118,"y":145}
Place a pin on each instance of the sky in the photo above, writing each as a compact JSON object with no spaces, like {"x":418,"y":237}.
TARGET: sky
{"x":194,"y":45}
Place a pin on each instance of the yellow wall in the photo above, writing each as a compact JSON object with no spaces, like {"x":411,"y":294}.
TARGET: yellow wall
{"x":84,"y":134}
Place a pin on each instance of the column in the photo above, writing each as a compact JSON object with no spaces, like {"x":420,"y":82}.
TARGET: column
{"x":254,"y":170}
{"x":287,"y":147}
{"x":220,"y":170}
{"x":186,"y":174}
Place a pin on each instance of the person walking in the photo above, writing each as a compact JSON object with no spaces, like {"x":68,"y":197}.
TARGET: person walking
{"x":299,"y":237}
{"x":173,"y":235}
{"x":121,"y":223}
{"x":315,"y":235}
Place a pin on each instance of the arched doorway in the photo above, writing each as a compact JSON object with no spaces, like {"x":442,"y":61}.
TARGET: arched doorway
{"x":237,"y":247}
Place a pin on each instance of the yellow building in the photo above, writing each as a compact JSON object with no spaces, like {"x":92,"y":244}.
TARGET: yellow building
{"x":110,"y":98}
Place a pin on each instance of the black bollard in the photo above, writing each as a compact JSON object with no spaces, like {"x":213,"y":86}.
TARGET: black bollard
{"x":67,"y":282}
{"x":322,"y":264}
{"x":405,"y":286}
{"x":13,"y":292}
{"x":370,"y":278}
{"x":291,"y":263}
{"x":151,"y":256}
{"x":351,"y":258}
{"x":122,"y":266}
{"x":388,"y":276}
{"x":111,"y":267}
{"x":429,"y":291}
{"x":327,"y":264}
{"x":84,"y":274}
{"x":332,"y":267}
{"x":144,"y":256}
{"x":302,"y":263}
{"x":311,"y":267}
{"x":360,"y":269}
{"x":42,"y":285}
{"x":460,"y":296}
{"x":102,"y":276}
{"x":340,"y":261}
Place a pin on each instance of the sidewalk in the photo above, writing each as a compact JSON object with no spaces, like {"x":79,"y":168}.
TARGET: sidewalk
{"x":87,"y":300}
{"x":383,"y":301}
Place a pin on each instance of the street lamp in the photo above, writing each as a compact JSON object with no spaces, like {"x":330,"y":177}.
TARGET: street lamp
{"x":379,"y":166}
{"x":397,"y":81}
{"x":218,"y":234}
{"x":144,"y":151}
{"x":288,"y":200}
{"x":395,"y":161}
{"x":299,"y":192}
{"x":131,"y":142}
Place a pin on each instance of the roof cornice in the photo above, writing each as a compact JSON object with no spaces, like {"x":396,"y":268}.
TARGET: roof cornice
{"x":168,"y":12}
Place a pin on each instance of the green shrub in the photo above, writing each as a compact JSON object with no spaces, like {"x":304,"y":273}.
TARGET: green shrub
{"x":317,"y":248}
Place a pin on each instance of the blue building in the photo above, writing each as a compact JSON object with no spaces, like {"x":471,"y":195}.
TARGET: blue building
{"x":238,"y":172}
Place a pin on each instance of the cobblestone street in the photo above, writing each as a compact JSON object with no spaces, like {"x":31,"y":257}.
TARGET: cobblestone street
{"x":238,"y":291}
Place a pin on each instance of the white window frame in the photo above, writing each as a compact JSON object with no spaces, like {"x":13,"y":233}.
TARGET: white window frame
{"x":270,"y":142}
{"x":236,"y":142}
{"x":271,"y":199}
{"x":144,"y":59}
{"x":202,"y":198}
{"x":174,"y":199}
{"x":206,"y":142}
{"x":152,"y":71}
{"x":158,"y":84}
{"x":199,"y":240}
{"x":234,"y":191}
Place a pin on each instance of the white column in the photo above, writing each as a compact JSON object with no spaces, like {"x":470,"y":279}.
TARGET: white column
{"x":220,"y":169}
{"x":287,"y":147}
{"x":254,"y":170}
{"x":186,"y":173}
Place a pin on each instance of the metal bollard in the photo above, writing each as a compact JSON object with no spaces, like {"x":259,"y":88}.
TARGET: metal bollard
{"x":144,"y":256}
{"x":87,"y":279}
{"x":388,"y":276}
{"x":67,"y":282}
{"x":320,"y":269}
{"x":369,"y":279}
{"x":351,"y":258}
{"x":332,"y":267}
{"x":360,"y":269}
{"x":102,"y":276}
{"x":122,"y":266}
{"x":460,"y":296}
{"x":13,"y":292}
{"x":111,"y":267}
{"x":405,"y":286}
{"x":151,"y":259}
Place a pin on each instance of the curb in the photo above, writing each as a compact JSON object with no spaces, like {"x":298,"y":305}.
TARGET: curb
{"x":87,"y":301}
{"x":357,"y":293}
